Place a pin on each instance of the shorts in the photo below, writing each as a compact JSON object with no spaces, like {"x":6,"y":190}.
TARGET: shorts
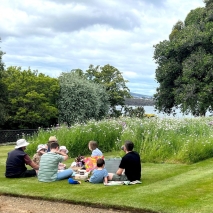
{"x":119,"y":177}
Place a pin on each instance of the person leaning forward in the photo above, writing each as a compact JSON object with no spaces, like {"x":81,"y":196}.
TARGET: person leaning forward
{"x":130,"y":166}
{"x":16,"y":160}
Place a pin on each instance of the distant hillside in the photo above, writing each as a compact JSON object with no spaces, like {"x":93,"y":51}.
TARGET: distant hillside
{"x":136,"y":95}
{"x":139,"y":102}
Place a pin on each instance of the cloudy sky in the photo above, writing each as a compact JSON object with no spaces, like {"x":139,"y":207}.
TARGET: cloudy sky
{"x":54,"y":36}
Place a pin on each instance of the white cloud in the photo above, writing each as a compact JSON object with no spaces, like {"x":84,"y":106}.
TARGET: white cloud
{"x":54,"y":36}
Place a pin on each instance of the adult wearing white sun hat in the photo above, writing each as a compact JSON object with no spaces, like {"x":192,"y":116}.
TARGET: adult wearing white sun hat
{"x":16,"y":160}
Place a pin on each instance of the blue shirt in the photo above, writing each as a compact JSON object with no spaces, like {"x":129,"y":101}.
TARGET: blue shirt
{"x":98,"y":176}
{"x":96,"y":152}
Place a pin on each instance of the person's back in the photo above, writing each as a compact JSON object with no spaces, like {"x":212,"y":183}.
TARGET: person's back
{"x":16,"y":160}
{"x":100,"y":174}
{"x":15,"y":164}
{"x":48,"y":169}
{"x":132,"y":165}
{"x":93,"y":146}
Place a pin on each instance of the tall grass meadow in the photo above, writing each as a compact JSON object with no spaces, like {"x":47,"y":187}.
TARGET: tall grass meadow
{"x":159,"y":140}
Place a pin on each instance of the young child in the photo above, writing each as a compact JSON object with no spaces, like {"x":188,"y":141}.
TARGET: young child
{"x":90,"y":162}
{"x":99,"y":175}
{"x":93,"y":146}
{"x":62,"y":166}
{"x":41,"y":149}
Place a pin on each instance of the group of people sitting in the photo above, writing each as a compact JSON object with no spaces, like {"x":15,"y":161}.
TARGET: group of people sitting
{"x":48,"y":167}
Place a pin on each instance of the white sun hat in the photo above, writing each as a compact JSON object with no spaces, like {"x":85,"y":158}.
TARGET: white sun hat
{"x":21,"y":143}
{"x":40,"y":147}
{"x":63,"y":148}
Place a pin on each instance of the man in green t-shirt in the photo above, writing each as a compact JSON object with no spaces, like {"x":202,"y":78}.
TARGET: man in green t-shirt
{"x":48,"y":168}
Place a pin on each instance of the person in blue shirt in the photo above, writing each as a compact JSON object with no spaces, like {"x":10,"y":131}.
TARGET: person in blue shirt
{"x":99,"y":175}
{"x":93,"y":146}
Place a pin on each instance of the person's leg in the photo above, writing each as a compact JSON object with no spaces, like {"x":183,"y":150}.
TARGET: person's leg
{"x":116,"y":177}
{"x":28,"y":173}
{"x":110,"y":176}
{"x":123,"y":178}
{"x":64,"y":174}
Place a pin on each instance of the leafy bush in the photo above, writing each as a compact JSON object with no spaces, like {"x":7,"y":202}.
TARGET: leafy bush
{"x":80,"y":99}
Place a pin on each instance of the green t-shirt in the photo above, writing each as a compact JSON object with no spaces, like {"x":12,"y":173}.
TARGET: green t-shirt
{"x":48,"y":167}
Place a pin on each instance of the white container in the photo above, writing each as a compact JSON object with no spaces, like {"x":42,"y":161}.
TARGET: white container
{"x":81,"y":177}
{"x":81,"y":171}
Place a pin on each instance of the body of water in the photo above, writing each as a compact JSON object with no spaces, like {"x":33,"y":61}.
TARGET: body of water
{"x":151,"y":110}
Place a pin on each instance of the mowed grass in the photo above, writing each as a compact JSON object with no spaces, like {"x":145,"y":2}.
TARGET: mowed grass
{"x":165,"y":188}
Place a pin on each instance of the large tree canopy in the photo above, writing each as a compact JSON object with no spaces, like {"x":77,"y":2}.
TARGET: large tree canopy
{"x":112,"y":80}
{"x":185,"y":65}
{"x":32,"y":100}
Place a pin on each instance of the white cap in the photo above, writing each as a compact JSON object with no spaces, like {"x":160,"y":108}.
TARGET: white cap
{"x":40,"y":147}
{"x":63,"y":148}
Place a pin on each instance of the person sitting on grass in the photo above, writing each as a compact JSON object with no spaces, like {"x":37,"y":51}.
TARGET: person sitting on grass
{"x":41,"y":149}
{"x":93,"y":146}
{"x":16,"y":160}
{"x":51,"y":140}
{"x":130,"y":166}
{"x":48,"y":169}
{"x":90,"y":162}
{"x":99,"y":175}
{"x":62,"y":166}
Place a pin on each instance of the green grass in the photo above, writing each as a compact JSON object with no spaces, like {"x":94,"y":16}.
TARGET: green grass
{"x":172,"y":188}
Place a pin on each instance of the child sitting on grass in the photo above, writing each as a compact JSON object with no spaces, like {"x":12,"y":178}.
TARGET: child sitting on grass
{"x":90,"y":162}
{"x":41,"y":149}
{"x":99,"y":175}
{"x":62,"y":166}
{"x":93,"y":146}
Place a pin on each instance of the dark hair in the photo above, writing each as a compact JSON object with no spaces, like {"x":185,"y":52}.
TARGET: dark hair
{"x":100,"y":162}
{"x":93,"y":145}
{"x":54,"y":145}
{"x":129,"y":145}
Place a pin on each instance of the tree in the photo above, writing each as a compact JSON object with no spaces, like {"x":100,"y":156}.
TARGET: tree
{"x":176,"y":29}
{"x":112,"y":80}
{"x":32,"y":98}
{"x":81,"y":99}
{"x":3,"y":93}
{"x":185,"y":65}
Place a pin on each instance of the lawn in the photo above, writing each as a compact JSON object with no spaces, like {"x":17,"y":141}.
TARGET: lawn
{"x":165,"y":188}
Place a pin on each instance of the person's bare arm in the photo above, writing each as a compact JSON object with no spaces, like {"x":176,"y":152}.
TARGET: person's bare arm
{"x":105,"y":180}
{"x":120,"y":171}
{"x":28,"y":161}
{"x":34,"y":165}
{"x":63,"y":154}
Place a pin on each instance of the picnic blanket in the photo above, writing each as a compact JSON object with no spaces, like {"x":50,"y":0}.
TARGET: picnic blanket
{"x":118,"y":183}
{"x":112,"y":164}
